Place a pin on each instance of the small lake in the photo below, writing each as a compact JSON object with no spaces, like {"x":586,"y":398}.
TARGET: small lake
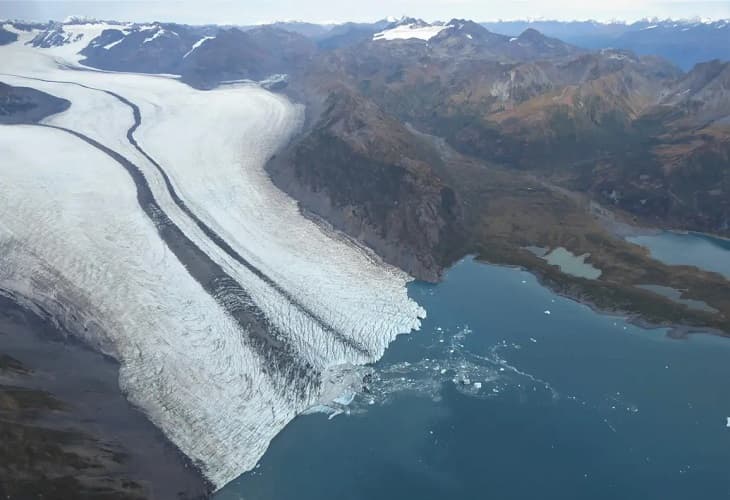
{"x":512,"y":392}
{"x":705,"y":252}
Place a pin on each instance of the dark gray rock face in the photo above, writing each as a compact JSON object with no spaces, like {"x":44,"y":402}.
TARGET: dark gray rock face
{"x":370,"y":177}
{"x":254,"y":54}
{"x":70,"y":432}
{"x":349,"y":34}
{"x":7,"y":37}
{"x":204,"y":56}
{"x":26,"y":105}
{"x":156,"y":48}
{"x":53,"y":36}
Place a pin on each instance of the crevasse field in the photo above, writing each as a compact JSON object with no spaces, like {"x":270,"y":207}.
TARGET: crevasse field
{"x":79,"y":242}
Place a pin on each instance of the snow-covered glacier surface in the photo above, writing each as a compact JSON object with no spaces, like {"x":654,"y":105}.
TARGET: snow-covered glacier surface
{"x":77,"y":243}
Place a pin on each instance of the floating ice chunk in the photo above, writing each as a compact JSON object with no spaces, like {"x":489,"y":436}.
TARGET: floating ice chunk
{"x":345,"y":399}
{"x":728,"y":422}
{"x":533,"y":340}
{"x":547,"y":311}
{"x":478,"y":385}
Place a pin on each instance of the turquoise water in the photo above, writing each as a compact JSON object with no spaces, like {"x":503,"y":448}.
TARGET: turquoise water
{"x":572,"y":405}
{"x":705,"y":252}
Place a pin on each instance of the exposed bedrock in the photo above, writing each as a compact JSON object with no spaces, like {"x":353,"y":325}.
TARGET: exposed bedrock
{"x":369,"y":176}
{"x":74,"y":435}
{"x":27,"y":105}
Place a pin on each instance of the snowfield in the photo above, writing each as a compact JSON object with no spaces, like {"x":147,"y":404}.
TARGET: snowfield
{"x":96,"y":261}
{"x":408,"y":31}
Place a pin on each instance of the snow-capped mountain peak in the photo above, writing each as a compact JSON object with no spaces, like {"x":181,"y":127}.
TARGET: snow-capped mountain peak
{"x":410,"y":28}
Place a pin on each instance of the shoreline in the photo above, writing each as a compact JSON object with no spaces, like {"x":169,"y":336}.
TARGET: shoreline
{"x":616,"y":224}
{"x":674,"y":331}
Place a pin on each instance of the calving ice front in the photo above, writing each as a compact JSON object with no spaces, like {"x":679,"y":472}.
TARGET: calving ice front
{"x":159,"y":239}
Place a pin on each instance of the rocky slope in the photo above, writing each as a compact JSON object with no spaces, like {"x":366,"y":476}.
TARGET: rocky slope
{"x":607,"y":123}
{"x":27,"y":105}
{"x":204,"y":56}
{"x":155,"y":48}
{"x":70,"y":433}
{"x":372,"y":178}
{"x":7,"y":36}
{"x":527,"y":143}
{"x":253,"y":54}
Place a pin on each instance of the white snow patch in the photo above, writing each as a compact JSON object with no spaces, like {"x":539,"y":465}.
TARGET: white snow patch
{"x":157,"y":34}
{"x":112,"y":44}
{"x":197,"y":44}
{"x":408,"y":31}
{"x":80,"y":35}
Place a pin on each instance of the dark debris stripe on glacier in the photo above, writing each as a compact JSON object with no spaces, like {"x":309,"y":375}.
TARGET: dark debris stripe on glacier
{"x":266,"y":339}
{"x":351,"y":343}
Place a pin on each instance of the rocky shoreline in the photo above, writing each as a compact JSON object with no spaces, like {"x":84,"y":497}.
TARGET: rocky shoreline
{"x":497,"y":212}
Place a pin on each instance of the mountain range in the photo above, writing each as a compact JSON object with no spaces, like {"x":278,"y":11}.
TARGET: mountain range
{"x":427,"y":141}
{"x":249,"y":197}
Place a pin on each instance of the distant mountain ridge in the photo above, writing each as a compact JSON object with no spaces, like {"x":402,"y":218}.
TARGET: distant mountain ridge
{"x":684,"y":42}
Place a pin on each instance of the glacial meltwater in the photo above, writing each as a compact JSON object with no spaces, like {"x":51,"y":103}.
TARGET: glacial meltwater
{"x":512,"y":392}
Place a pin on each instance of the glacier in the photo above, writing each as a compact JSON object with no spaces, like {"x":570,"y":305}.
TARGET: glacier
{"x":101,"y":267}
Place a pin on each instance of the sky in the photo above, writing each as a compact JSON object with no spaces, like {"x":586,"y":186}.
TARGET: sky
{"x":263,"y":11}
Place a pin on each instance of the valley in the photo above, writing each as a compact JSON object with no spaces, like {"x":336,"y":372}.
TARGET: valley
{"x":233,"y":215}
